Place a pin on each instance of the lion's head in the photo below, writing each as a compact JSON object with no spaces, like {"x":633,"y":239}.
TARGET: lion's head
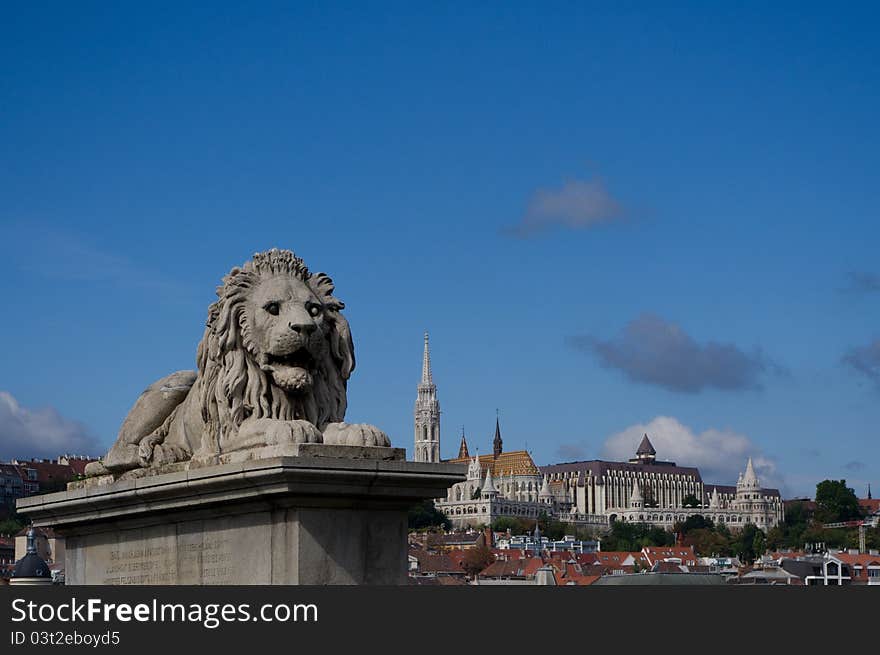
{"x":276,"y":346}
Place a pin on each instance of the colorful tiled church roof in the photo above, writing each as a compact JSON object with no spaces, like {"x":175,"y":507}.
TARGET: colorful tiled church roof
{"x":519,"y":462}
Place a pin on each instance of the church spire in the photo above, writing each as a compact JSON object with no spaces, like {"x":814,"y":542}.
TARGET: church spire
{"x":427,"y":414}
{"x":426,"y":364}
{"x":463,"y":449}
{"x":496,"y":442}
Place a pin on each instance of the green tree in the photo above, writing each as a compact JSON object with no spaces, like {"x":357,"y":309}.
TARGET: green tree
{"x":836,"y":502}
{"x":749,"y":543}
{"x":632,"y":537}
{"x":694,"y":522}
{"x":10,"y":526}
{"x":691,"y":501}
{"x":553,"y":529}
{"x":505,"y":523}
{"x":12,"y":523}
{"x":424,"y":515}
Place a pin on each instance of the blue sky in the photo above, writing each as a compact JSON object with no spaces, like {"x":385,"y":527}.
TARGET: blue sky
{"x":611,"y":217}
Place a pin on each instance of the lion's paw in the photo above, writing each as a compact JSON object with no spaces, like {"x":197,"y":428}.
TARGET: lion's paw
{"x":146,"y":447}
{"x":355,"y":434}
{"x":167,"y":454}
{"x":271,"y":432}
{"x":95,"y":468}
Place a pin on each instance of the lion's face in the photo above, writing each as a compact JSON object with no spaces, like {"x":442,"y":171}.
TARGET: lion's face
{"x":276,"y":345}
{"x":287,"y":328}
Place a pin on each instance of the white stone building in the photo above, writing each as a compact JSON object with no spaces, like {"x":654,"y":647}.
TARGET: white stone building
{"x":651,"y":491}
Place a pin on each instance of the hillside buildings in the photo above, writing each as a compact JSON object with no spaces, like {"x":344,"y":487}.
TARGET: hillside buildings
{"x":20,"y":478}
{"x":584,"y":493}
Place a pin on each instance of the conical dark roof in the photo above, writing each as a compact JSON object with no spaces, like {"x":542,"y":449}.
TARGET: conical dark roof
{"x":645,"y":448}
{"x":31,"y":565}
{"x":463,"y":448}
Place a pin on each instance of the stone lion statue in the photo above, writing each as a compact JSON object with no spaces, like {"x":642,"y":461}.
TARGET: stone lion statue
{"x":273,"y":367}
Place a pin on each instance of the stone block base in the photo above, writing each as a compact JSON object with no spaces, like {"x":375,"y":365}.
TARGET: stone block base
{"x":282,"y":520}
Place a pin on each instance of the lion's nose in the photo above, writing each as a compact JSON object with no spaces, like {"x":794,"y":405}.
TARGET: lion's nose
{"x":302,"y":328}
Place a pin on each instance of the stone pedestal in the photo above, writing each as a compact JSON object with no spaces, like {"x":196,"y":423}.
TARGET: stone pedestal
{"x":309,"y":516}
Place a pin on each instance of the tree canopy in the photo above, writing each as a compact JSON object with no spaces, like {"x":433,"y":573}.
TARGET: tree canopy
{"x":476,"y":559}
{"x":691,"y":501}
{"x":632,"y":537}
{"x":424,"y":515}
{"x":836,"y":502}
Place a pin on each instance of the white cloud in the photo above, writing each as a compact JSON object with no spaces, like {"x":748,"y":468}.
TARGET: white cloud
{"x":720,"y":455}
{"x":26,"y":433}
{"x":578,"y":204}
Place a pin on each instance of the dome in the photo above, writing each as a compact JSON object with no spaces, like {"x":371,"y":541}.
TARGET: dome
{"x":31,"y":565}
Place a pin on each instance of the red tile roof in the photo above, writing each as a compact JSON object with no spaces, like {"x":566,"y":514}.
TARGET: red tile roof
{"x":580,"y":580}
{"x":612,"y":558}
{"x":659,"y":553}
{"x":502,"y":569}
{"x":862,"y":560}
{"x":532,"y":565}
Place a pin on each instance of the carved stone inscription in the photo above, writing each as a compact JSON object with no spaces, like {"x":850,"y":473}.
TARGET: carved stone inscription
{"x":140,"y":565}
{"x":194,"y":552}
{"x":205,"y":559}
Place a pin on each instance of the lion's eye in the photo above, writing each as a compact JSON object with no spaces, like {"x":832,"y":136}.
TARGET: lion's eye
{"x":314,"y":310}
{"x":272,"y":308}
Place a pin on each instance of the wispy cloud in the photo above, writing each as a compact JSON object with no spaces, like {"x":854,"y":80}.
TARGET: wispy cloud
{"x":26,"y":433}
{"x":60,"y":254}
{"x":719,"y":454}
{"x":654,"y":351}
{"x":866,"y":360}
{"x":570,"y":452}
{"x":862,"y":282}
{"x":576,"y":205}
{"x":854,"y":466}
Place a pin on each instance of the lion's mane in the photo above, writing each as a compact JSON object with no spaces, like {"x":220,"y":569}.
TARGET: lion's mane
{"x":232,"y":387}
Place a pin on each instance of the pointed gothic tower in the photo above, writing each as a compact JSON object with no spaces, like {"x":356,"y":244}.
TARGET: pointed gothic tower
{"x":463,"y":448}
{"x":427,"y":414}
{"x":496,"y":443}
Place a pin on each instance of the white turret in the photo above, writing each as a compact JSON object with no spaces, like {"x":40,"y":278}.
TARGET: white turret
{"x":489,"y":490}
{"x":714,"y":501}
{"x":750,"y":479}
{"x":545,"y":495}
{"x":748,"y":482}
{"x":636,"y":500}
{"x":474,"y":472}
